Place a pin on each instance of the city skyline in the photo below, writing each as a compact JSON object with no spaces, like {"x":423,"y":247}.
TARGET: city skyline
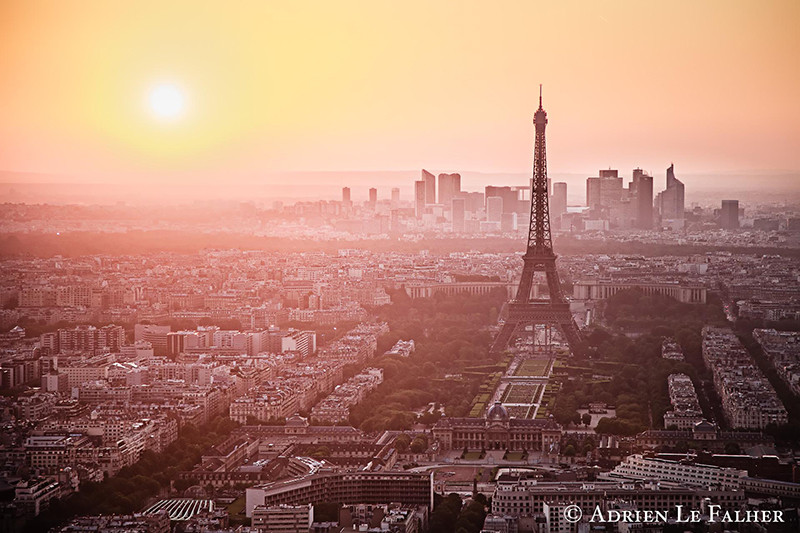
{"x":324,"y":267}
{"x":158,"y":94}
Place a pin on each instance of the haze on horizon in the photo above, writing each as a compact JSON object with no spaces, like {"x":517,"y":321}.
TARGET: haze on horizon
{"x":270,"y":88}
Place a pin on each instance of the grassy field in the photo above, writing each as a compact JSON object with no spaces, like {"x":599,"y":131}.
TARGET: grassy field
{"x":521,"y":393}
{"x":472,"y":456}
{"x":514,"y":456}
{"x":517,"y":411}
{"x":533,"y":367}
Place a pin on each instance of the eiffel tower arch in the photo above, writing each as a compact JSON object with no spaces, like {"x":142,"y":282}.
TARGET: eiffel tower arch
{"x":526,"y":311}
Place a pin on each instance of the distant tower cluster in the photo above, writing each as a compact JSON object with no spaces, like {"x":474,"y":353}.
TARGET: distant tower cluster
{"x":450,"y":203}
{"x":438,"y":202}
{"x":440,"y":199}
{"x":612,"y":205}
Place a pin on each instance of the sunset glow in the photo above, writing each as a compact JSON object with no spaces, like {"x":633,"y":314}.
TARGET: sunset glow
{"x":385,"y":86}
{"x":166,"y":101}
{"x":426,"y":266}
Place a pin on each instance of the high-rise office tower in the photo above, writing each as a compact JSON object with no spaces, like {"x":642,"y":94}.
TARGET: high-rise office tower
{"x":671,"y":200}
{"x":605,"y":191}
{"x":508,"y":222}
{"x":475,"y":201}
{"x":609,"y":173}
{"x":642,"y":191}
{"x":494,"y":208}
{"x":373,"y":196}
{"x":605,"y":197}
{"x":395,"y":196}
{"x":345,"y":195}
{"x":593,"y":193}
{"x":558,"y":203}
{"x":419,"y":197}
{"x":729,"y":214}
{"x":510,"y":196}
{"x":449,"y":187}
{"x":459,"y":214}
{"x":430,"y":187}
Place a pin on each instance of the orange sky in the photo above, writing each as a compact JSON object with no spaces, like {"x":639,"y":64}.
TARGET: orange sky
{"x":386,"y":85}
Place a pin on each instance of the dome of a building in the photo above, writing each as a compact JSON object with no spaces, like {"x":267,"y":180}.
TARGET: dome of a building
{"x":497,"y":412}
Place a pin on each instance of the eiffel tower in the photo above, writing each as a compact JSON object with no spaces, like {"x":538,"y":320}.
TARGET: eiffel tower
{"x":525,"y":310}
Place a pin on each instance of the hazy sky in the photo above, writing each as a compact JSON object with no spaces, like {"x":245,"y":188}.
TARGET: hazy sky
{"x":386,"y":85}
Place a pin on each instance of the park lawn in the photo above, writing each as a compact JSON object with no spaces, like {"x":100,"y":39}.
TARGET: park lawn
{"x":521,"y":393}
{"x":514,"y":456}
{"x":533,"y":367}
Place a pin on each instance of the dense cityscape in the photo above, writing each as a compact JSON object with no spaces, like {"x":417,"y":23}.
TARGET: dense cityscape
{"x":296,"y":377}
{"x":381,"y":267}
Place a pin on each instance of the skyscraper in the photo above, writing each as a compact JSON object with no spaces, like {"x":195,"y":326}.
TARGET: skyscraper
{"x":558,"y":203}
{"x":510,"y":196}
{"x":604,"y":192}
{"x":449,"y":187}
{"x":494,"y":208}
{"x":346,"y":195}
{"x":458,"y":212}
{"x":508,"y":222}
{"x":671,"y":200}
{"x":642,"y":191}
{"x":430,"y":187}
{"x":729,"y":214}
{"x":419,"y":197}
{"x":395,"y":196}
{"x":593,"y":193}
{"x":373,"y":196}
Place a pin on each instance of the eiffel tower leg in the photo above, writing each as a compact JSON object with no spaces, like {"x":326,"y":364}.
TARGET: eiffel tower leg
{"x":501,"y":341}
{"x":572,"y":335}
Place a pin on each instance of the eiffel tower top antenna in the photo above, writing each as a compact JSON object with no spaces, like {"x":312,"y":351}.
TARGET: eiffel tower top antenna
{"x":539,"y":241}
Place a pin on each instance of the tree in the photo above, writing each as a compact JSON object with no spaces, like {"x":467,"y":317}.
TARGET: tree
{"x":12,"y":302}
{"x":402,"y":442}
{"x":321,"y":453}
{"x":419,"y":444}
{"x":732,"y":448}
{"x":586,"y":418}
{"x":445,"y":514}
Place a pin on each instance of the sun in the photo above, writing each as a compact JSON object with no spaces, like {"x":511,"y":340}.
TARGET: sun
{"x":166,"y":101}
